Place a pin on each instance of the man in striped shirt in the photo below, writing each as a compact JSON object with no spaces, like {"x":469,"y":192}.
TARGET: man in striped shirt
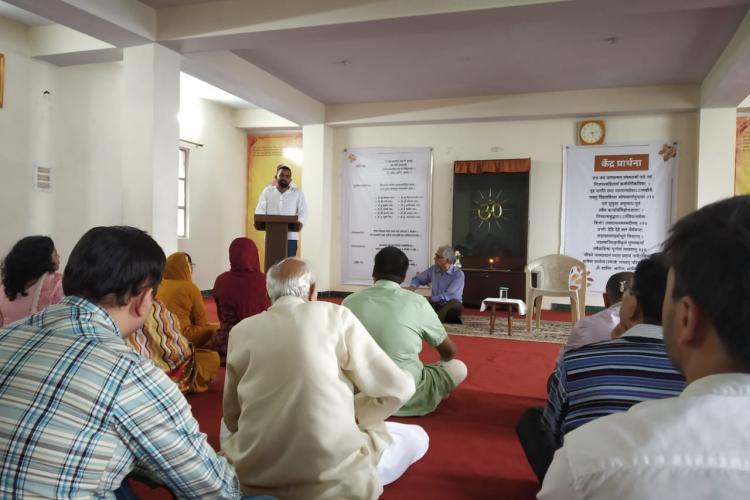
{"x":607,"y":377}
{"x":80,"y":409}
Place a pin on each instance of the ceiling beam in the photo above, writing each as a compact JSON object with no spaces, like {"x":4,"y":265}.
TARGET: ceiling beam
{"x":235,"y":75}
{"x":261,"y":119}
{"x":236,"y":17}
{"x":728,"y":82}
{"x":63,"y":46}
{"x":564,"y":104}
{"x":122,"y":23}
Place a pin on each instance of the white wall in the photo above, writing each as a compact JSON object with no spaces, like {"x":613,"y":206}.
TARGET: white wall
{"x":77,"y":130}
{"x":216,"y":184}
{"x":541,"y":140}
{"x":25,"y":136}
{"x":73,"y":129}
{"x":716,"y":153}
{"x":87,"y":154}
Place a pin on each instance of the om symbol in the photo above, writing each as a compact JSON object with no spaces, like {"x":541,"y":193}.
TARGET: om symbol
{"x":489,"y":210}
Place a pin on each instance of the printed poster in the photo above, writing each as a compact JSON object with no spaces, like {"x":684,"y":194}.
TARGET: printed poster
{"x":742,"y":156}
{"x":617,"y":205}
{"x":386,"y":203}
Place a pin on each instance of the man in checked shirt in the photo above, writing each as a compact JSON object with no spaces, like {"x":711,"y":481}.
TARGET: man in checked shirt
{"x":79,"y":410}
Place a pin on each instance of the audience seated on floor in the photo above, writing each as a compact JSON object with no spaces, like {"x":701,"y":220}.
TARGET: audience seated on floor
{"x":240,"y":292}
{"x":598,"y":327}
{"x":297,"y":429}
{"x":695,"y":446}
{"x":160,"y":340}
{"x":399,"y":320}
{"x":181,"y":296}
{"x":447,"y":285}
{"x":80,"y":409}
{"x":30,"y":281}
{"x":607,"y":377}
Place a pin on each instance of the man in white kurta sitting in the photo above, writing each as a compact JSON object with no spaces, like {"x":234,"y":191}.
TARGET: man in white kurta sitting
{"x":298,"y":431}
{"x":598,"y":327}
{"x":696,"y":445}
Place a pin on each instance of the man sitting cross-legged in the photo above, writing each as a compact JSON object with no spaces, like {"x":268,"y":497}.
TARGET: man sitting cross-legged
{"x":607,"y":377}
{"x":399,"y":320}
{"x":447,"y":282}
{"x":298,"y":431}
{"x":695,"y":446}
{"x":79,"y":408}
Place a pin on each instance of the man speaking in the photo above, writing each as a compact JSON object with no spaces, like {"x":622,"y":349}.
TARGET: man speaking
{"x":284,"y":199}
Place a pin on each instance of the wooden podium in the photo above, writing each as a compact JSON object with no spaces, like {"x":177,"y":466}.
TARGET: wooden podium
{"x":276,"y":228}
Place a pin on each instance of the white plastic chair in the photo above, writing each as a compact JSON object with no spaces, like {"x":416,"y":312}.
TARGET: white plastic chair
{"x":557,"y":276}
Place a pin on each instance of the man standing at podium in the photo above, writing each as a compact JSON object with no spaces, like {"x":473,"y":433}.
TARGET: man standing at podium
{"x":284,"y":199}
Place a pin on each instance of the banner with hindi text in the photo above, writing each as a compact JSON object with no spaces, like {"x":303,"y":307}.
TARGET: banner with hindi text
{"x":386,"y":203}
{"x":617,"y":205}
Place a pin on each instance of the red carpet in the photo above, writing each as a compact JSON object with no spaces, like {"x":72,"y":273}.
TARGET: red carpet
{"x":474,"y":452}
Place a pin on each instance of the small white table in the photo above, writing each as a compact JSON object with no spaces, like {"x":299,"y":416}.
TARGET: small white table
{"x":493,"y":302}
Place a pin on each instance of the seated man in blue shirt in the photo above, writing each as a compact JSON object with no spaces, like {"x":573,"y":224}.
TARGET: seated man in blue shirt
{"x":447,"y":285}
{"x":607,"y":377}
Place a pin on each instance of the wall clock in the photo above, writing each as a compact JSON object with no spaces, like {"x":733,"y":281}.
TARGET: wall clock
{"x":591,"y":132}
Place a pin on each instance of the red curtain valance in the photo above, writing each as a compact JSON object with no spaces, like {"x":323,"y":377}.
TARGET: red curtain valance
{"x":517,"y":165}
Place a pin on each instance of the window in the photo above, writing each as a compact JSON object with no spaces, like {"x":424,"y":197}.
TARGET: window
{"x":182,"y":214}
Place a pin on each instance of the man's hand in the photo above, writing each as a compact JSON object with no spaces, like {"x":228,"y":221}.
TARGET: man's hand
{"x":447,"y":349}
{"x":412,"y":288}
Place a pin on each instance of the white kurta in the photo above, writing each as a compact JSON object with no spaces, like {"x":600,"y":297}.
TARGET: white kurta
{"x":695,"y":446}
{"x":290,"y":202}
{"x":289,"y":399}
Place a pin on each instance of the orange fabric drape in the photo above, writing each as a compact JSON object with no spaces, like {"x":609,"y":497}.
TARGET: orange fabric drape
{"x":517,"y":165}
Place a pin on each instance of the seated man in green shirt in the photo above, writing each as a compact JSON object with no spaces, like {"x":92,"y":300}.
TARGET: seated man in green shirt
{"x":399,"y":320}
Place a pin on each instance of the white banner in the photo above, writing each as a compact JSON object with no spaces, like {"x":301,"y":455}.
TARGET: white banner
{"x":386,"y":202}
{"x":617,"y":205}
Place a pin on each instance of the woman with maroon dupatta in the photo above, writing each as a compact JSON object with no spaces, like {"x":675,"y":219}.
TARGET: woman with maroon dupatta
{"x":240,"y":292}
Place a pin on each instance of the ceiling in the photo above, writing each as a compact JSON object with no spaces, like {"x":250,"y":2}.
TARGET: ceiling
{"x":361,"y":51}
{"x":538,"y":48}
{"x":21,"y":16}
{"x":509,"y":47}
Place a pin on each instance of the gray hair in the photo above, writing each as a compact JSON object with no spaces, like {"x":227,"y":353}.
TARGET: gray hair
{"x":447,"y":252}
{"x":290,"y":277}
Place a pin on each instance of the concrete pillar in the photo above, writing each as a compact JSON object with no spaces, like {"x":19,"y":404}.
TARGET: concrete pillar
{"x":717,"y":137}
{"x":317,"y":149}
{"x":150,"y":141}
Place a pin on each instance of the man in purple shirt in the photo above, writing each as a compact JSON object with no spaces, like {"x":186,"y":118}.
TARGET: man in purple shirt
{"x":447,"y":285}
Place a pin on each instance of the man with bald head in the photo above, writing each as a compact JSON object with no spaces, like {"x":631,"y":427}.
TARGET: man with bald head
{"x":297,"y":428}
{"x":400,"y":321}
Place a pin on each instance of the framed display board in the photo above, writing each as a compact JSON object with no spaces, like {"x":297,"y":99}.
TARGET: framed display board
{"x":387,"y":202}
